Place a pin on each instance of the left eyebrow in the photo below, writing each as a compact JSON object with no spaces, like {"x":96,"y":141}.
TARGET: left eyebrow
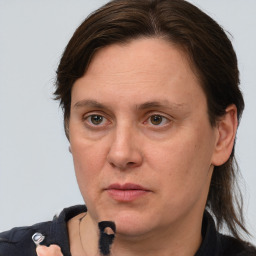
{"x":157,"y":104}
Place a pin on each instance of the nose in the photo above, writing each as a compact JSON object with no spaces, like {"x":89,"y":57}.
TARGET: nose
{"x":125,"y":152}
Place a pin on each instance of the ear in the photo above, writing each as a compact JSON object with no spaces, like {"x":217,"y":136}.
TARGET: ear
{"x":66,"y":127}
{"x":226,"y":132}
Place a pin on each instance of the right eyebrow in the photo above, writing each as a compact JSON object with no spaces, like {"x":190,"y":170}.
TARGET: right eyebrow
{"x":89,"y":103}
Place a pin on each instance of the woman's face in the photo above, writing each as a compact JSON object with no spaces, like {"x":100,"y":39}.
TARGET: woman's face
{"x":140,"y":137}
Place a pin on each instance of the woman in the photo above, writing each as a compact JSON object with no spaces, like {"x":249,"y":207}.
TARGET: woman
{"x":151,"y":107}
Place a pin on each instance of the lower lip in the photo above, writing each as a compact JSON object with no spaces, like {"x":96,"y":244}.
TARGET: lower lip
{"x":126,"y":195}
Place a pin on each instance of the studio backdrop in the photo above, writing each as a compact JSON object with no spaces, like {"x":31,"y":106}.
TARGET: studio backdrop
{"x":36,"y":170}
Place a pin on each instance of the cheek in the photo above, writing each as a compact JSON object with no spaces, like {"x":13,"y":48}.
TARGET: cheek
{"x":182,"y":163}
{"x":89,"y":159}
{"x":182,"y":175}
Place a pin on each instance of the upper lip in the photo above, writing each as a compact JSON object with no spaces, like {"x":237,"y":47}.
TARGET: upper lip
{"x":126,"y":186}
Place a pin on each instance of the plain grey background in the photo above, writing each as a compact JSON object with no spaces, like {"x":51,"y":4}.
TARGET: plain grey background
{"x":36,"y":170}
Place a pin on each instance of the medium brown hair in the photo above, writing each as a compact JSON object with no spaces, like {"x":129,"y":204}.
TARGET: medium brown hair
{"x":208,"y":49}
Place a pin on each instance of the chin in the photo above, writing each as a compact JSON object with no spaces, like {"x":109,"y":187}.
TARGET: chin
{"x":131,"y":224}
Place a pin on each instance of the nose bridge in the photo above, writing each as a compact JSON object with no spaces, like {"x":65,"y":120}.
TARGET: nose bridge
{"x":124,"y":151}
{"x":123,"y":135}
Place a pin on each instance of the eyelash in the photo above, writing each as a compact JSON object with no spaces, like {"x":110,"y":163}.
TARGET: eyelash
{"x":88,"y":119}
{"x":89,"y":122}
{"x":164,"y":120}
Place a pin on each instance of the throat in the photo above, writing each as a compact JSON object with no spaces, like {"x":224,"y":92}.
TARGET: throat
{"x":163,"y":244}
{"x":82,"y":237}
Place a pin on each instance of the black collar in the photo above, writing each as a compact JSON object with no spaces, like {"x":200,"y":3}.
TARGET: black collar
{"x":213,"y":244}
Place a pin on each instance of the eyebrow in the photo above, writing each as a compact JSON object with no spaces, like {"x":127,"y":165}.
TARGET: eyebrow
{"x":89,"y":103}
{"x":162,"y":104}
{"x":147,"y":105}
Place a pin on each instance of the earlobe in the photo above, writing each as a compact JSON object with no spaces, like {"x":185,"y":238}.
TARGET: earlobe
{"x":226,"y":133}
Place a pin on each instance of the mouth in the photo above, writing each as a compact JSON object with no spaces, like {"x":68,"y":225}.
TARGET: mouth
{"x":127,"y":192}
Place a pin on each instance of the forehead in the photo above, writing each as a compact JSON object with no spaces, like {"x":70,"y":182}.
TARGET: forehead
{"x":138,"y":53}
{"x":152,"y":69}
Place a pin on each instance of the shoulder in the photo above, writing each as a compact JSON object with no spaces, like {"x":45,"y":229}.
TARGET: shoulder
{"x":234,"y":247}
{"x":217,"y":244}
{"x":18,"y":241}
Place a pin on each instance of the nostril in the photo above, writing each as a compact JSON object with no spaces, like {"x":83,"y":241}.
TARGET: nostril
{"x":112,"y":164}
{"x":130,"y":163}
{"x":125,"y":166}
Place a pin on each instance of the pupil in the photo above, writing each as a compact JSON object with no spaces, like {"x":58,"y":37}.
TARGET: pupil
{"x":156,"y":120}
{"x":96,"y":119}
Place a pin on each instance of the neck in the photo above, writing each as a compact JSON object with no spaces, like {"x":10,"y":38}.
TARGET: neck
{"x":165,"y":243}
{"x":183,"y":239}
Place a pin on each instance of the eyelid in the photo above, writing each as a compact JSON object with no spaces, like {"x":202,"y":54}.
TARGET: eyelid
{"x":96,"y":113}
{"x":109,"y":120}
{"x":156,"y":113}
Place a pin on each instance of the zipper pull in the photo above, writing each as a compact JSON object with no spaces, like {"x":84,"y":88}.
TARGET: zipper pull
{"x":38,"y":238}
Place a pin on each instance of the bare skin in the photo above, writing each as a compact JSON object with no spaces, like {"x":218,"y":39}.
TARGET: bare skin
{"x":52,"y":250}
{"x":77,"y":235}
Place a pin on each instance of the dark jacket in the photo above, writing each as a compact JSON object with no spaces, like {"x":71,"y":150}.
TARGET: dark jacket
{"x":18,"y":242}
